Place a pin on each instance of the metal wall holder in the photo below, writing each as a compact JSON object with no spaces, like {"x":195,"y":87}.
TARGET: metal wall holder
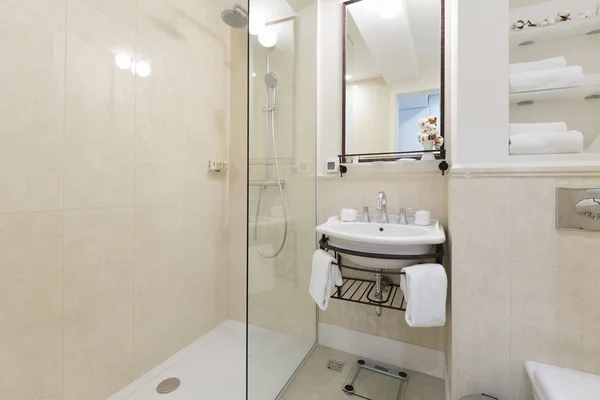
{"x":362,"y":291}
{"x":393,"y":156}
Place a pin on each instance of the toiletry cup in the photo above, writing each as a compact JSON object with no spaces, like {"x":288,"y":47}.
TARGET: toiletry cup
{"x":422,"y":218}
{"x":349,"y":215}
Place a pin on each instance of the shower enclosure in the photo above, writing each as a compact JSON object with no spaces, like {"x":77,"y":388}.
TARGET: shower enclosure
{"x":282,"y":192}
{"x":129,"y":269}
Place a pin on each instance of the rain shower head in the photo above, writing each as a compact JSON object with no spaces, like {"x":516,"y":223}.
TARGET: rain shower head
{"x":236,"y":17}
{"x":271,"y":80}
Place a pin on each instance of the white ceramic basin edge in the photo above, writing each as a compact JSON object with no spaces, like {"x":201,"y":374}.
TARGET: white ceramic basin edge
{"x":373,"y":238}
{"x":387,"y":234}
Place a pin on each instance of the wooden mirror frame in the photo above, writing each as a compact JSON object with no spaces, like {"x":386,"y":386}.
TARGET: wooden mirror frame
{"x":393,"y":156}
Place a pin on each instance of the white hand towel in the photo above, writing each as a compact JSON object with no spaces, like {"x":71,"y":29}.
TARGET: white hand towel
{"x":325,"y":275}
{"x":539,"y":127}
{"x":548,"y":79}
{"x":549,"y":63}
{"x":425,"y":288}
{"x":546,"y":143}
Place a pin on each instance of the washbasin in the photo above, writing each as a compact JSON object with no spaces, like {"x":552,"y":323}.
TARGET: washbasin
{"x":376,"y":238}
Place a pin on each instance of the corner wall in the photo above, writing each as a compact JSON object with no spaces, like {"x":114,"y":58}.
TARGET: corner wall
{"x":522,"y":290}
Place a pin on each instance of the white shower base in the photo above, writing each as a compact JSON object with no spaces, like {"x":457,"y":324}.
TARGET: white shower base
{"x":214,"y":366}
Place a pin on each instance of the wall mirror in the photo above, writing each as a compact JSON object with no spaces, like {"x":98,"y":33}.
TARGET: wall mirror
{"x":393,"y":80}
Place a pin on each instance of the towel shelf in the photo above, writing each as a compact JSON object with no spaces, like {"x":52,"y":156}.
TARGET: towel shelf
{"x":361,"y":291}
{"x":559,"y":30}
{"x":364,"y":291}
{"x":587,"y":91}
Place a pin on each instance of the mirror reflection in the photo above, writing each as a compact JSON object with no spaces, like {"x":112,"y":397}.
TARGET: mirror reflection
{"x":393,"y":97}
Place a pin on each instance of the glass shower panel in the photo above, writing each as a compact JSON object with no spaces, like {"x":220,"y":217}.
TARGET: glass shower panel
{"x":282,"y":194}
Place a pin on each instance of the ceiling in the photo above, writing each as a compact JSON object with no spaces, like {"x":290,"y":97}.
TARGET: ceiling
{"x":401,"y":49}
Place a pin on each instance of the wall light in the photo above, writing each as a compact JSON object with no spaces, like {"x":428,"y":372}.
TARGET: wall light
{"x":257,"y":24}
{"x":268,"y":37}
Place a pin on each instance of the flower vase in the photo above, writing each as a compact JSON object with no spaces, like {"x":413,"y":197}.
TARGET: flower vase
{"x":428,"y":145}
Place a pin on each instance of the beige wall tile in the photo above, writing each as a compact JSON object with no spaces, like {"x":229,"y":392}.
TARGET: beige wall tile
{"x":160,"y":120}
{"x":433,"y":198}
{"x":481,"y":340}
{"x":31,"y":361}
{"x":31,"y":305}
{"x":99,"y":126}
{"x":533,"y":235}
{"x":158,"y":282}
{"x":122,"y":10}
{"x":205,"y":259}
{"x":181,"y":266}
{"x":98,"y":302}
{"x":207,"y":114}
{"x":31,"y":154}
{"x":33,"y":34}
{"x":479,"y":212}
{"x":31,"y":261}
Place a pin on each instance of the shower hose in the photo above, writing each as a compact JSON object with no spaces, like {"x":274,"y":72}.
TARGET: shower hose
{"x":282,"y":199}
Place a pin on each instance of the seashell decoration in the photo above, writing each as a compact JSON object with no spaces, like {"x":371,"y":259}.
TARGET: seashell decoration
{"x":564,"y":16}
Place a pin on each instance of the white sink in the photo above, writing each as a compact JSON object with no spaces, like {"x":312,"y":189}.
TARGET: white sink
{"x":379,"y":238}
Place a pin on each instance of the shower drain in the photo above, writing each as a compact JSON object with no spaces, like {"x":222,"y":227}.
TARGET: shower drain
{"x":336,"y":366}
{"x":168,"y":386}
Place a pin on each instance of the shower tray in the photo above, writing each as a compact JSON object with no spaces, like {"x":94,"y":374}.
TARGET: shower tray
{"x":372,"y":380}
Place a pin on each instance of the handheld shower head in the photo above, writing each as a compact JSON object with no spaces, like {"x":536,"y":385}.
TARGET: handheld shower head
{"x":236,"y":17}
{"x":271,"y":80}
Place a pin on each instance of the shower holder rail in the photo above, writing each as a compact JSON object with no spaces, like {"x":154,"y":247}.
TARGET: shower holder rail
{"x":361,"y":291}
{"x":267,"y":183}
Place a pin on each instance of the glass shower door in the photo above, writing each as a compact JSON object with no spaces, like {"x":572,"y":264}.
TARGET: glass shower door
{"x":282,"y":194}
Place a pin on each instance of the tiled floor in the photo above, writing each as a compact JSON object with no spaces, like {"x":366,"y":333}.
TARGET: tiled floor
{"x":315,"y":382}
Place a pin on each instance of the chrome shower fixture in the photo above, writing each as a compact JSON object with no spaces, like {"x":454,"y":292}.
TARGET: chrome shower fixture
{"x":235,"y":17}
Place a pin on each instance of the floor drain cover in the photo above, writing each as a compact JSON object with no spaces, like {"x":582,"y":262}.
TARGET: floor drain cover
{"x":335,"y":365}
{"x":168,"y":385}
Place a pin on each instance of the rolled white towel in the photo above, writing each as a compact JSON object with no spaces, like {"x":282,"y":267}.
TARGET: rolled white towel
{"x":547,"y":79}
{"x":538,"y":127}
{"x":549,"y":63}
{"x":546,"y":143}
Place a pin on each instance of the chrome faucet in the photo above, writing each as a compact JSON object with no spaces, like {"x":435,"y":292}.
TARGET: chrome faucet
{"x":403,"y":220}
{"x":382,"y":206}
